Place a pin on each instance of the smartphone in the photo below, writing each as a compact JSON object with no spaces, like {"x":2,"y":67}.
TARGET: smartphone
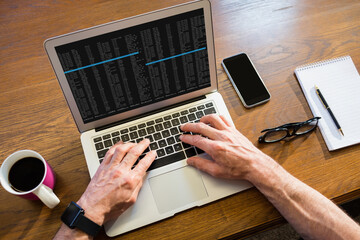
{"x":246,"y":80}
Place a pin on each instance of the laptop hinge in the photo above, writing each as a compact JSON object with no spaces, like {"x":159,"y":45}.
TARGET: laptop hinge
{"x":149,"y":113}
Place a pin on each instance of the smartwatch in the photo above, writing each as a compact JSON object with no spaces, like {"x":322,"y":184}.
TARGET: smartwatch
{"x":73,"y":217}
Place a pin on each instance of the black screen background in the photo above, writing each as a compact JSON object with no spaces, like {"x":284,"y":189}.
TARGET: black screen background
{"x":128,"y":83}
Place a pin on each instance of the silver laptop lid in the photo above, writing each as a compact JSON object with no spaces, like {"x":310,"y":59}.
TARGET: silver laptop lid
{"x":128,"y":67}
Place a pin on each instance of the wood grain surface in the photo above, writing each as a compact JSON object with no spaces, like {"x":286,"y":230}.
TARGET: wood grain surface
{"x":277,"y":35}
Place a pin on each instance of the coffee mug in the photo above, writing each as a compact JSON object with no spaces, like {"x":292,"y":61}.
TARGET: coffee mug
{"x":25,"y":173}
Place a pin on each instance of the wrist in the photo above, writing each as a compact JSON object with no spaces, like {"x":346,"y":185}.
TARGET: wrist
{"x":262,"y":169}
{"x":74,"y":218}
{"x":93,"y":213}
{"x":271,"y":179}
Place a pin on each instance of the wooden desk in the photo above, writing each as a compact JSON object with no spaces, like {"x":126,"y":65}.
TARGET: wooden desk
{"x":278,"y":36}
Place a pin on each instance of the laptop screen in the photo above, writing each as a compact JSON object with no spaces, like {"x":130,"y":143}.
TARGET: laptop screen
{"x":129,"y":68}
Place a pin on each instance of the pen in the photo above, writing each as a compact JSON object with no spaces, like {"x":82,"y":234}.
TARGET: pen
{"x":323,"y":101}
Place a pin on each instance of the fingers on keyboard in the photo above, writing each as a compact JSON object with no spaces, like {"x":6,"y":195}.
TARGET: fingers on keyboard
{"x":163,"y":133}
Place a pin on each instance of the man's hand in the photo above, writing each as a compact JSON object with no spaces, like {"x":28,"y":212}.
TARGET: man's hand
{"x":233,"y":154}
{"x":235,"y":157}
{"x":115,"y":185}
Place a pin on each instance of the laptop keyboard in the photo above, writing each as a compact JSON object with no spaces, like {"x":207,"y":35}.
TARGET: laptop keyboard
{"x":163,"y":133}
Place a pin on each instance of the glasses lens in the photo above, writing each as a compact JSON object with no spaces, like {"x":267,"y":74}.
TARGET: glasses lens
{"x":274,"y":136}
{"x":307,"y":127}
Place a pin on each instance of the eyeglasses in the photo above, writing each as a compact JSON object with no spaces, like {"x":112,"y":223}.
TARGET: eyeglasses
{"x":288,"y":130}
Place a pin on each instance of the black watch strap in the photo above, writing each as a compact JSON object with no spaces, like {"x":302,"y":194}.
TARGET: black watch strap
{"x":87,"y":226}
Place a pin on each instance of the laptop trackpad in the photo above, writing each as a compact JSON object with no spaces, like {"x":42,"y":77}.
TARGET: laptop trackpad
{"x":177,"y":188}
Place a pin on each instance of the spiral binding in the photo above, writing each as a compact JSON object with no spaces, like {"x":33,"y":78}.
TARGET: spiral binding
{"x":321,"y":63}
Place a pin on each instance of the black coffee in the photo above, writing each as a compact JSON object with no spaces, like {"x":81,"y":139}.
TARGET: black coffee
{"x":26,"y":174}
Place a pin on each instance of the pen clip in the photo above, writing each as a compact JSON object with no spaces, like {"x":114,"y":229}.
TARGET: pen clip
{"x":320,"y":97}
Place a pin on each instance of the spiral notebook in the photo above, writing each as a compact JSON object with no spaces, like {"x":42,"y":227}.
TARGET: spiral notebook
{"x":339,"y":82}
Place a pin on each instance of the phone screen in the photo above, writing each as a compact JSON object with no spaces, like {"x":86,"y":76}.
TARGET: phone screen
{"x":245,"y":78}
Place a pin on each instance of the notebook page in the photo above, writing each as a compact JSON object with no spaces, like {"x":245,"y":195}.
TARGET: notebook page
{"x":339,"y":82}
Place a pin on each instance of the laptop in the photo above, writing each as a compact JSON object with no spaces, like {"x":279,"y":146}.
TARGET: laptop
{"x":142,"y":77}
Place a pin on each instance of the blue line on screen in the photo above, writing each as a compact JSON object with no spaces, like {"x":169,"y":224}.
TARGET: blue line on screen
{"x":164,"y":59}
{"x":110,"y":60}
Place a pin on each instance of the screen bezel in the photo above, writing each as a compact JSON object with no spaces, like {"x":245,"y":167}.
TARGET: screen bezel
{"x":254,"y":101}
{"x":51,"y":43}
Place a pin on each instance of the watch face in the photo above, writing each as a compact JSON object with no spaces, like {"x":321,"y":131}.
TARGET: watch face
{"x":70,"y":214}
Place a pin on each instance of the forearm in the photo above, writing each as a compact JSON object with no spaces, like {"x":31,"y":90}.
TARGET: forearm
{"x":310,"y":213}
{"x":67,"y":233}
